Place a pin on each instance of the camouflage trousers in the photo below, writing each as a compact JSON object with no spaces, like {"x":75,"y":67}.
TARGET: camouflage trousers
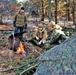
{"x":35,"y":42}
{"x":44,"y":46}
{"x":47,"y":46}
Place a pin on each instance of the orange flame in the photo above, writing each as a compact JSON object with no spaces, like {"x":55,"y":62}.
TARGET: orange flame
{"x":21,"y":49}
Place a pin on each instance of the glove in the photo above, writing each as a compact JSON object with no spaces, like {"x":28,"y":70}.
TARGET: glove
{"x":39,"y":43}
{"x":43,"y":41}
{"x":37,"y":38}
{"x":14,"y":24}
{"x":25,"y":26}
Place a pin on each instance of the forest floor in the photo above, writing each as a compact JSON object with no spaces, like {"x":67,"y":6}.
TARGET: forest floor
{"x":10,"y":59}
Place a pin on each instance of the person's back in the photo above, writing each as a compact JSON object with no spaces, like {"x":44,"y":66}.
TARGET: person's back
{"x":55,"y":35}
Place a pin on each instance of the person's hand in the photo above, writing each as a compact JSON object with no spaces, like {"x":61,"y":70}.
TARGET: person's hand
{"x":14,"y":24}
{"x":37,"y":38}
{"x":43,"y":41}
{"x":25,"y":26}
{"x":39,"y":43}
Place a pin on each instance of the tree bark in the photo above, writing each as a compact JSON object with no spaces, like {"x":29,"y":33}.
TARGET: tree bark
{"x":42,"y":11}
{"x":1,"y":19}
{"x":73,"y":12}
{"x":68,"y":10}
{"x":56,"y":11}
{"x":49,"y":10}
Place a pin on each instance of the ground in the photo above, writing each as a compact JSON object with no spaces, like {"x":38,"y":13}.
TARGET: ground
{"x":59,"y":60}
{"x":10,"y":59}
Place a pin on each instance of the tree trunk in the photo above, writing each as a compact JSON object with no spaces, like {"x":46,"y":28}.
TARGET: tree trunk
{"x":1,"y":19}
{"x":56,"y":11}
{"x":42,"y":11}
{"x":73,"y":12}
{"x":68,"y":10}
{"x":49,"y":10}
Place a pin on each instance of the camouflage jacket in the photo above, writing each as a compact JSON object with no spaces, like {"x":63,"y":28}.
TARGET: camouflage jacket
{"x":56,"y":36}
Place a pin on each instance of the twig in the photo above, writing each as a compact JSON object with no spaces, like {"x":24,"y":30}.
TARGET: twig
{"x":28,"y":69}
{"x":38,"y":52}
{"x":14,"y":69}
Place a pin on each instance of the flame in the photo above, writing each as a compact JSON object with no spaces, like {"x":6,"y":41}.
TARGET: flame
{"x":20,"y":49}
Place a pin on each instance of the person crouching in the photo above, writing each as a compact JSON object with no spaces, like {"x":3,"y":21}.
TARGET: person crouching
{"x":39,"y":36}
{"x":55,"y":35}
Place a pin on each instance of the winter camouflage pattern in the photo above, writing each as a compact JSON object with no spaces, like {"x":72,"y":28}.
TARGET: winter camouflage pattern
{"x":59,"y":60}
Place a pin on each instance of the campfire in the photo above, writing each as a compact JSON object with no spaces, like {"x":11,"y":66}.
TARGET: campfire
{"x":16,"y":44}
{"x":20,"y":49}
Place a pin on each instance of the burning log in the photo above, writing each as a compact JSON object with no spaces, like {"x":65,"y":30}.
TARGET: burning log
{"x":16,"y":44}
{"x":20,"y":49}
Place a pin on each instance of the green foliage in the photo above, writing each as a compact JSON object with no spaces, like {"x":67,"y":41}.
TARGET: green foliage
{"x":19,"y":4}
{"x":25,"y":4}
{"x":1,"y":61}
{"x":25,"y":68}
{"x":26,"y":59}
